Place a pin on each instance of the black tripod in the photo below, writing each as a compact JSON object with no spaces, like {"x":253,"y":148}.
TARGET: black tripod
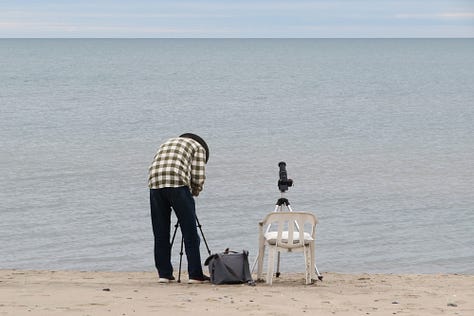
{"x":182,"y":244}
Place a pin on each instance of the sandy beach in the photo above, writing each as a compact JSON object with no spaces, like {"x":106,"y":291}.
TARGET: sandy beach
{"x":139,"y":293}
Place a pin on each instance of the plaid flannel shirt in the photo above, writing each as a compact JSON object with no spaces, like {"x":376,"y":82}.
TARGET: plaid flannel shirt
{"x":179,"y":162}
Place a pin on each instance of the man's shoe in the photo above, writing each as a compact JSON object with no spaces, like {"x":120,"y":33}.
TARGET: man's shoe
{"x":166,"y":280}
{"x":199,"y":280}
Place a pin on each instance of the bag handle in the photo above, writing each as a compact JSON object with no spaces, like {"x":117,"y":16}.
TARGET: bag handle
{"x":227,"y":251}
{"x":209,"y":259}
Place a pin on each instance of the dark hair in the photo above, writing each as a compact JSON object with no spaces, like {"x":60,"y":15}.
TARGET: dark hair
{"x":199,"y":140}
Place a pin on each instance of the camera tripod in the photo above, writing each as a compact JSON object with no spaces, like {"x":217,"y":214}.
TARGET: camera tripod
{"x":279,"y":208}
{"x":198,"y":224}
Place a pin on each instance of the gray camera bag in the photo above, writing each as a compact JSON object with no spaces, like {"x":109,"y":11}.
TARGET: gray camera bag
{"x":229,"y":267}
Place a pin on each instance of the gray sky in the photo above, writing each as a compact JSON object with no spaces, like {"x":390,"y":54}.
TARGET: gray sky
{"x":233,"y":18}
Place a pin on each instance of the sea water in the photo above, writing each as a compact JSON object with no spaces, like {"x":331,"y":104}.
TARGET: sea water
{"x":377,"y":135}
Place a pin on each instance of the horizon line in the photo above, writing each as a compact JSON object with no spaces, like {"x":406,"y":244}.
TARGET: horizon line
{"x":283,"y":37}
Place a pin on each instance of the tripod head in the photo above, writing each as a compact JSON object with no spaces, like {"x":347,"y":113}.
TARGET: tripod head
{"x":283,"y":183}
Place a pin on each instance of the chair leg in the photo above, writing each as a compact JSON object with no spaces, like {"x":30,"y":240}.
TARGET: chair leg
{"x":307,"y":261}
{"x":313,"y":261}
{"x":271,"y":262}
{"x":261,"y":256}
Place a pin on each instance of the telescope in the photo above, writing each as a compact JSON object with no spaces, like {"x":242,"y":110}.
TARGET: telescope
{"x":284,"y":183}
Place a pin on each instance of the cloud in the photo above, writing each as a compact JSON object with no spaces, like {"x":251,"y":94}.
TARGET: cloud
{"x":49,"y":29}
{"x":14,"y":15}
{"x":246,"y":18}
{"x":446,"y":15}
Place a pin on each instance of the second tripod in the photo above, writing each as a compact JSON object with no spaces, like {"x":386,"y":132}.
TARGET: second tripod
{"x":198,"y":224}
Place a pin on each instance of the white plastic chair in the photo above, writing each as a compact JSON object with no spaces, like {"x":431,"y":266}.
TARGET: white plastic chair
{"x":285,"y":231}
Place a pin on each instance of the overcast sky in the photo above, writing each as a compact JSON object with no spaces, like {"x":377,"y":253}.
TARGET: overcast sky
{"x":234,"y":18}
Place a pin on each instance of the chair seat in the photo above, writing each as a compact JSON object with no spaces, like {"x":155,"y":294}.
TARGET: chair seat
{"x":271,"y":237}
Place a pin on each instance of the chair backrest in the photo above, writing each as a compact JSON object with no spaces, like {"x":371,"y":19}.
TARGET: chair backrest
{"x":290,"y":228}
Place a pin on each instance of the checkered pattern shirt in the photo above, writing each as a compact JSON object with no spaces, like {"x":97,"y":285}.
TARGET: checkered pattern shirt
{"x":179,"y":162}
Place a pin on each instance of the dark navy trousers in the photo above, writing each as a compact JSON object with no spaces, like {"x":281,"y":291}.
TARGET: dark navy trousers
{"x":182,"y":202}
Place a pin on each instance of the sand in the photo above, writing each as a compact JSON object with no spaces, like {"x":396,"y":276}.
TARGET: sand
{"x":139,"y":293}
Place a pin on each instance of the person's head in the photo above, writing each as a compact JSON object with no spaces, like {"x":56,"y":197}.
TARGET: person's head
{"x":199,"y":140}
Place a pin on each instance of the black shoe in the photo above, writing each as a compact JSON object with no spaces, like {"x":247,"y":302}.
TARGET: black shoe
{"x":166,"y":280}
{"x":199,"y":280}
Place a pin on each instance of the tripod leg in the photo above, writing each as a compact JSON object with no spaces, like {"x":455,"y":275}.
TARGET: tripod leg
{"x":181,"y":253}
{"x":180,"y":259}
{"x":202,"y":234}
{"x":254,"y":264}
{"x":277,"y":274}
{"x":320,"y":277}
{"x":174,"y":234}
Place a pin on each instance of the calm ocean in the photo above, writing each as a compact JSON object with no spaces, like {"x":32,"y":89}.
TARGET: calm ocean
{"x":377,"y":134}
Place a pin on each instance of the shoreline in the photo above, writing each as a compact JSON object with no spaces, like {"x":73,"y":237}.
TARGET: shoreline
{"x":36,"y":292}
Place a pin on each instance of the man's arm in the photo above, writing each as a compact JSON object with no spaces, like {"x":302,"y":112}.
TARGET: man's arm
{"x":198,"y":169}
